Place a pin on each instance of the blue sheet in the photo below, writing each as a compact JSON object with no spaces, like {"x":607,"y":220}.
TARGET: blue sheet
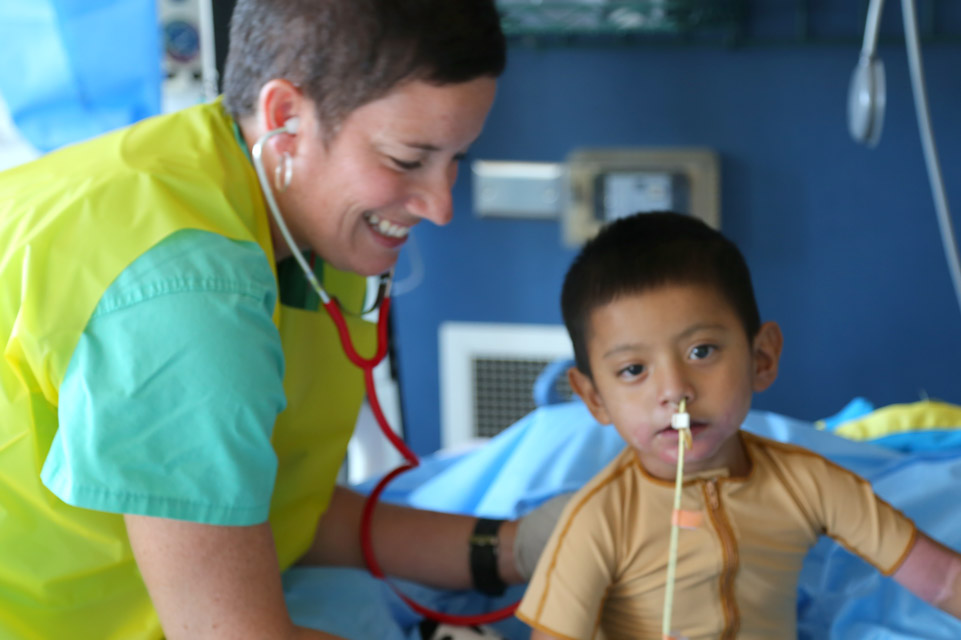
{"x":557,"y":448}
{"x":73,"y":69}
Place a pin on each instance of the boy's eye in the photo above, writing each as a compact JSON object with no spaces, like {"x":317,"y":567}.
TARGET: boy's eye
{"x":702,"y":351}
{"x":631,"y":371}
{"x":405,"y":165}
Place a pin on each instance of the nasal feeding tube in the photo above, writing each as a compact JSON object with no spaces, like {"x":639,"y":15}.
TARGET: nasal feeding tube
{"x":681,"y":422}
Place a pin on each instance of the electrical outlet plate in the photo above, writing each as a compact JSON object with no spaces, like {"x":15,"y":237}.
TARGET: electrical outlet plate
{"x":519,"y":189}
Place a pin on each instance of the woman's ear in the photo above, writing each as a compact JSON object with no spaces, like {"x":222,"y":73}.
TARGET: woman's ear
{"x":767,"y":354}
{"x":583,"y":386}
{"x":280,"y":102}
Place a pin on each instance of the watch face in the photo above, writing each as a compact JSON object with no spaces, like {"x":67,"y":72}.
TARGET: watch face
{"x":483,"y":557}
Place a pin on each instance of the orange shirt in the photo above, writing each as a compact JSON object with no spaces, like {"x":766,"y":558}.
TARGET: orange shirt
{"x":603,"y":572}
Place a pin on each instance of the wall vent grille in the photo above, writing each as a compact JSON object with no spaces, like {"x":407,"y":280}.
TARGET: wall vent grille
{"x":488,"y":373}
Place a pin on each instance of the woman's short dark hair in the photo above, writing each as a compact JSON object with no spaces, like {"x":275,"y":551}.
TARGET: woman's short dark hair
{"x":346,"y":53}
{"x":646,"y":251}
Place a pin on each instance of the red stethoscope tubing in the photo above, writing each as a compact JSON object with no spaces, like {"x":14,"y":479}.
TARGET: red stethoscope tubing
{"x":367,"y":366}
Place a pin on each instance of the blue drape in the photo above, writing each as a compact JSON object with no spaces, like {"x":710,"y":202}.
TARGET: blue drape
{"x":72,"y":69}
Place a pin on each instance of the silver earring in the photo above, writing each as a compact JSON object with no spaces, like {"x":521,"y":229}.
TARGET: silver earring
{"x":284,"y":172}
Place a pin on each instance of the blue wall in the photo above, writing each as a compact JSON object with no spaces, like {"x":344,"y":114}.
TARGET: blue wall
{"x":842,"y":240}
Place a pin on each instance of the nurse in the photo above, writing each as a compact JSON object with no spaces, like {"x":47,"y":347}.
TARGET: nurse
{"x":174,"y":406}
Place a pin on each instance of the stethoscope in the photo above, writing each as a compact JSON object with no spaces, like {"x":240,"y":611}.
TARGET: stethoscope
{"x":866,"y":102}
{"x":366,"y":365}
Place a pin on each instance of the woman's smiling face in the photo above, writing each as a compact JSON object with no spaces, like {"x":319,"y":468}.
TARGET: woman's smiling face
{"x":356,"y":194}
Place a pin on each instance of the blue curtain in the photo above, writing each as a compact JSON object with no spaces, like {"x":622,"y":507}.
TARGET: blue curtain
{"x":72,"y":69}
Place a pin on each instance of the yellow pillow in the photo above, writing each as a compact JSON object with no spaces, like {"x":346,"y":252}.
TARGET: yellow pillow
{"x":901,"y":418}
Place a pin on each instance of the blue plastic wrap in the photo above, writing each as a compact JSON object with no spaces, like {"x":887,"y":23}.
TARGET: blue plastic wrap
{"x":559,"y":447}
{"x":73,"y":69}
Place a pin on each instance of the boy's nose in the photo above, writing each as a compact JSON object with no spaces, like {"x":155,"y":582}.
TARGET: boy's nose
{"x":673,"y":401}
{"x":674,"y":386}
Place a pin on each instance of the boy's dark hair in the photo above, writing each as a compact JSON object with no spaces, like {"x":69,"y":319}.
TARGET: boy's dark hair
{"x":646,"y":251}
{"x":346,"y":53}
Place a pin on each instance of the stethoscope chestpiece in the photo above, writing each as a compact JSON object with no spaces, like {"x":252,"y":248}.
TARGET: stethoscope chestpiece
{"x":866,"y":100}
{"x":867,"y":95}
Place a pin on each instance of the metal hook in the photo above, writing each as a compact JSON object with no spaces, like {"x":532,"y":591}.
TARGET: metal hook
{"x":383,"y":290}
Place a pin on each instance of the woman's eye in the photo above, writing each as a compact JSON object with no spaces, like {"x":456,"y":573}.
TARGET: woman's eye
{"x":702,"y":351}
{"x":631,"y":371}
{"x":405,"y":165}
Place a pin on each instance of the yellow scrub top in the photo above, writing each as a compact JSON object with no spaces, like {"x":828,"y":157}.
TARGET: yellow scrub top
{"x":70,"y":223}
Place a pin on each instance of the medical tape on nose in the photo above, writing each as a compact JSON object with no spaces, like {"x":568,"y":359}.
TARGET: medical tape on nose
{"x":681,"y":421}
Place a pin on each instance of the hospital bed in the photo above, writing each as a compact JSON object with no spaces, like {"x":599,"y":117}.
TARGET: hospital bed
{"x":910,"y":453}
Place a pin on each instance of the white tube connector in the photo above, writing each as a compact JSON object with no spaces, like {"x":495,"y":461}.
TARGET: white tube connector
{"x":681,"y":421}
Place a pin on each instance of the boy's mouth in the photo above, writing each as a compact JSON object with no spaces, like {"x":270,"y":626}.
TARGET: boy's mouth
{"x":671,"y":432}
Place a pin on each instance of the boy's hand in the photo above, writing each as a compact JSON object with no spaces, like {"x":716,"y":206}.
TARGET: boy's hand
{"x":932,"y":572}
{"x":533,"y":531}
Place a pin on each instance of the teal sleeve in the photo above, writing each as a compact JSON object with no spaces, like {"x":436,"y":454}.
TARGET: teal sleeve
{"x":169,"y":401}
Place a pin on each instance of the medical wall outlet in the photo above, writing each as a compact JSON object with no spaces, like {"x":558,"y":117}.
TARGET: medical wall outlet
{"x":607,"y":184}
{"x":596,"y":186}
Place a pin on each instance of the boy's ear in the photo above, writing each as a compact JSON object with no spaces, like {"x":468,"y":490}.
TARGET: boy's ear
{"x":584,"y":387}
{"x":767,"y":354}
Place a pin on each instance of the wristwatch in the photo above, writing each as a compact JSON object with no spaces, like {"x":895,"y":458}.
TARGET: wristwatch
{"x":483,"y":557}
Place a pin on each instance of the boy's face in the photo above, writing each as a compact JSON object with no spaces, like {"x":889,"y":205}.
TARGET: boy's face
{"x":649,"y":350}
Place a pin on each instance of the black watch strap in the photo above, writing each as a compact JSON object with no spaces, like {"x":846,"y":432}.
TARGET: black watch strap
{"x":483,"y":557}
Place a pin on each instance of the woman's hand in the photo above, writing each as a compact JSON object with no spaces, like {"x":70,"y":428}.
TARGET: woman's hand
{"x":533,"y":531}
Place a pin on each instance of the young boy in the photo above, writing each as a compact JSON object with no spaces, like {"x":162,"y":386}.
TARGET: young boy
{"x":661,"y":310}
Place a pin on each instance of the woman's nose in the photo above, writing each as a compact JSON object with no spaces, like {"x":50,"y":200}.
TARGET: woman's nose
{"x":432,"y":199}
